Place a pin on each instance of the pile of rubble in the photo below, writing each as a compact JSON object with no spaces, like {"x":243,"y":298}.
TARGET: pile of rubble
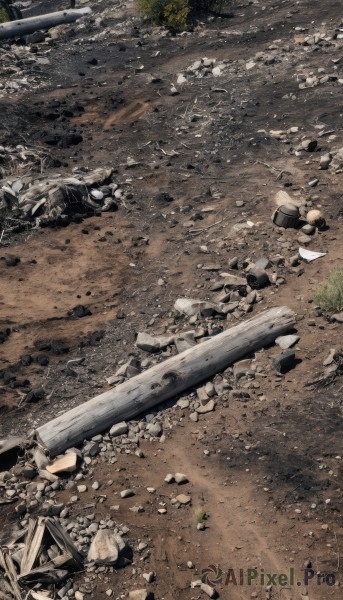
{"x":57,"y":199}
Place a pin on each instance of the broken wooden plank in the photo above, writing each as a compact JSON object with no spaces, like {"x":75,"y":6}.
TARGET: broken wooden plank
{"x":10,"y":443}
{"x":6,"y":564}
{"x":25,"y":26}
{"x":33,"y":543}
{"x":164,"y":380}
{"x":64,"y":541}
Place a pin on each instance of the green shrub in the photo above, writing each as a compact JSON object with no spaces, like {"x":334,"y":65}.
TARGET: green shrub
{"x":329,"y":296}
{"x":175,"y":14}
{"x":171,"y":13}
{"x":4,"y":18}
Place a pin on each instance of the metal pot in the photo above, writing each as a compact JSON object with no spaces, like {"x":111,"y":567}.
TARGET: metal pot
{"x":257,"y":278}
{"x":286,"y":216}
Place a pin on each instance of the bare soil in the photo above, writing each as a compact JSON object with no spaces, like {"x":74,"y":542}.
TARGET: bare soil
{"x":269,"y":456}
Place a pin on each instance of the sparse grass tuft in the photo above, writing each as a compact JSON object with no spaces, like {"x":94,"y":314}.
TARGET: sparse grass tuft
{"x":200,"y":514}
{"x":329,"y":296}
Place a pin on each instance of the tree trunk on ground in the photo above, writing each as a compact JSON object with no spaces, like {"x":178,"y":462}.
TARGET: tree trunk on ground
{"x":31,"y":24}
{"x":164,"y":380}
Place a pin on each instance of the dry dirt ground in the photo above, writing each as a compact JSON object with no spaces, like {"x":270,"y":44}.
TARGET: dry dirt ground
{"x":213,"y":144}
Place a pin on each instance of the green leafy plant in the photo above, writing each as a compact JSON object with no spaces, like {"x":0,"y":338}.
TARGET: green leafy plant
{"x":329,"y":296}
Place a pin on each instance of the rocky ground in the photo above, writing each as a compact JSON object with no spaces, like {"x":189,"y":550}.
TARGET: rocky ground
{"x":199,"y":133}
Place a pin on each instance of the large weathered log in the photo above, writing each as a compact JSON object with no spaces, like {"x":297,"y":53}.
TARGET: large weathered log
{"x":31,"y":24}
{"x":164,"y":380}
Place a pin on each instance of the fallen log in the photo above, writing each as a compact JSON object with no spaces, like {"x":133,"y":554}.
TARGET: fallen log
{"x":31,"y":24}
{"x":164,"y":380}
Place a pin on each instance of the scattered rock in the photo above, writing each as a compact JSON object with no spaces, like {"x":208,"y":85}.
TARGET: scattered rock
{"x":155,"y":429}
{"x":206,"y":408}
{"x":183,"y":499}
{"x":325,"y":161}
{"x":140,"y":595}
{"x":209,"y":590}
{"x":106,"y":547}
{"x":337,"y":317}
{"x":308,"y":229}
{"x":287,"y":341}
{"x":12,"y":261}
{"x":65,"y":464}
{"x":127,"y":493}
{"x":81,"y":311}
{"x":119,"y":429}
{"x":284,"y":362}
{"x":149,"y":343}
{"x":149,"y":577}
{"x":180,"y":478}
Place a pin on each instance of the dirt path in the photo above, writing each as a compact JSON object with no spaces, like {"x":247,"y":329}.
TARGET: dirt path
{"x":270,"y":478}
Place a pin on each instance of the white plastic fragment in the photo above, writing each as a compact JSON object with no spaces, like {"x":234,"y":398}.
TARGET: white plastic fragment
{"x":309,"y":255}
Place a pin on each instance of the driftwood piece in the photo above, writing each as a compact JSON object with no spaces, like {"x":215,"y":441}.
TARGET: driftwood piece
{"x":164,"y":380}
{"x":10,"y":443}
{"x":31,"y":24}
{"x":10,"y":583}
{"x":32,"y":558}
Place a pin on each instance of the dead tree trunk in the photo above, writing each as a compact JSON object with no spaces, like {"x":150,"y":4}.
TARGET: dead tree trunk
{"x":31,"y":24}
{"x":164,"y":380}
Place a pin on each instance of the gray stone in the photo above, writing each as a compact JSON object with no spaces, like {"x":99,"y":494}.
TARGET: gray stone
{"x":208,"y":589}
{"x":140,"y":595}
{"x":208,"y":407}
{"x":149,"y":577}
{"x":149,"y":343}
{"x":137,"y":509}
{"x":190,"y":307}
{"x":183,"y":499}
{"x":91,"y":449}
{"x":119,"y":429}
{"x":308,"y":229}
{"x":325,"y":161}
{"x":210,"y":390}
{"x":183,"y":403}
{"x":304,"y":240}
{"x":284,"y":362}
{"x":233,"y":262}
{"x":287,"y":341}
{"x":127,"y":493}
{"x":180,"y":478}
{"x":202,"y":395}
{"x":251,"y":297}
{"x":155,"y":429}
{"x":105,"y":547}
{"x":184,"y":341}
